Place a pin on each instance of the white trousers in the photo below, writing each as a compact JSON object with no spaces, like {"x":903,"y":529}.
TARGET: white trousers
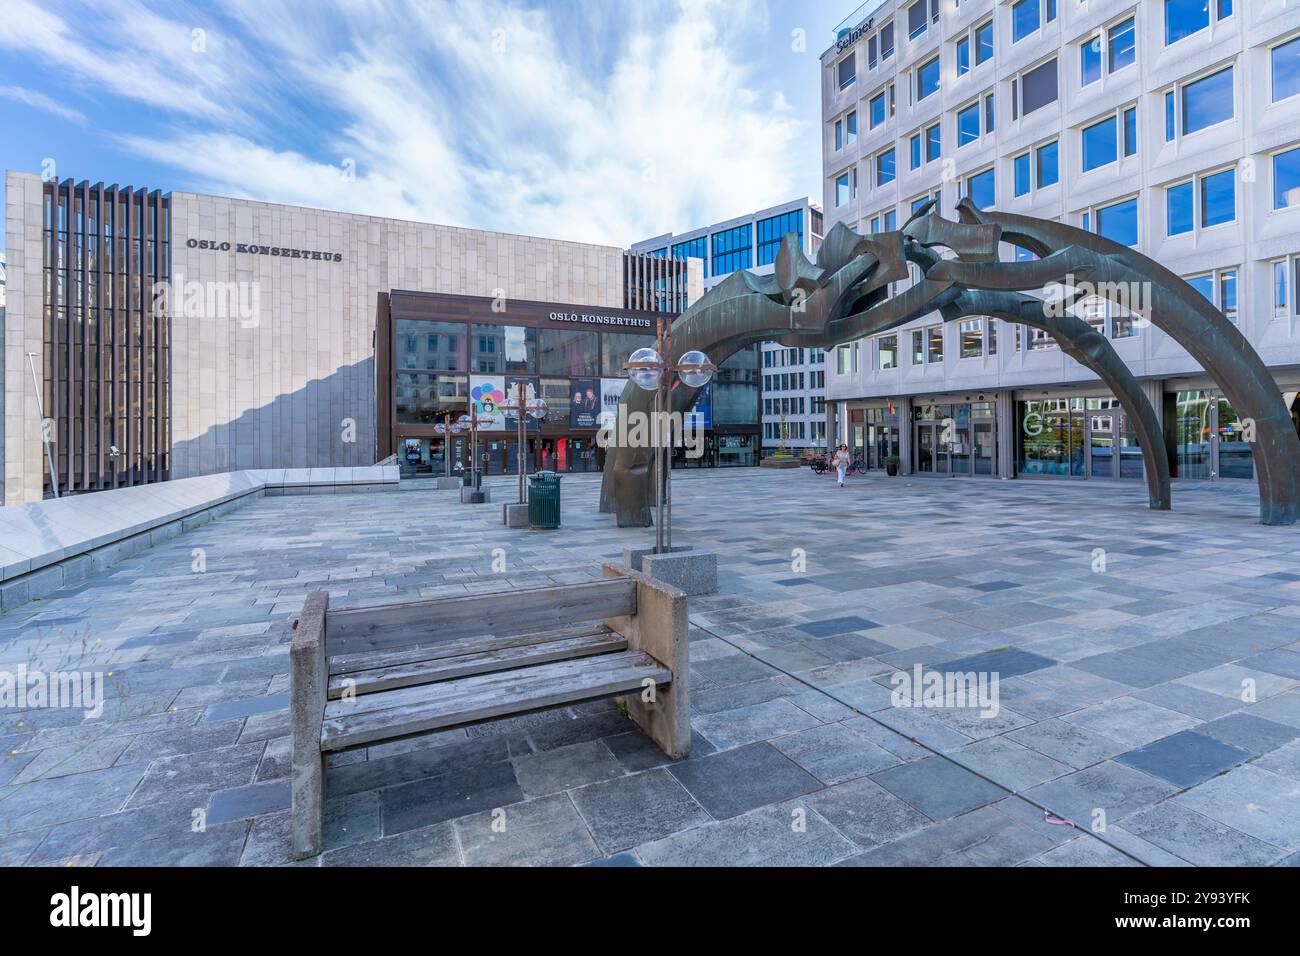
{"x":840,"y":470}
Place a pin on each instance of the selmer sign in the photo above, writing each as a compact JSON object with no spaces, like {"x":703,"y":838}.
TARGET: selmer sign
{"x":252,"y":248}
{"x":853,"y":36}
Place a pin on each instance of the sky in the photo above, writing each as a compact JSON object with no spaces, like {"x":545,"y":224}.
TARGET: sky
{"x":605,"y":121}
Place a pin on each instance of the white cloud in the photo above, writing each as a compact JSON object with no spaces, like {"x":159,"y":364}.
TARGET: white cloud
{"x":41,"y":102}
{"x":553,"y":120}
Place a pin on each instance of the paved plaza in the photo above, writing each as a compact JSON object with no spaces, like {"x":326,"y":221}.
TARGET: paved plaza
{"x":1148,"y":707}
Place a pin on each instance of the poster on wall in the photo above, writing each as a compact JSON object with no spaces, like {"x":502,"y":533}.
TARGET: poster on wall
{"x":701,"y":412}
{"x":611,"y":393}
{"x":532,"y":390}
{"x":585,"y":403}
{"x":487,"y":392}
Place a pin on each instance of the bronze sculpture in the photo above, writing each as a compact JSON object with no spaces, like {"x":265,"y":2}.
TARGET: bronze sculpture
{"x":844,"y":296}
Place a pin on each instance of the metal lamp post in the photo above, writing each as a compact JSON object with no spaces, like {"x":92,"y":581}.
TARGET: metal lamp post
{"x":524,"y":408}
{"x":447,"y":428}
{"x":650,"y":370}
{"x":471,"y":421}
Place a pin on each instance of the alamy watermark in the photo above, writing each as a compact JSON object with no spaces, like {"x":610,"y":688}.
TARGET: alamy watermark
{"x":634,"y":429}
{"x":193,"y":299}
{"x":947,"y":689}
{"x":29,"y":689}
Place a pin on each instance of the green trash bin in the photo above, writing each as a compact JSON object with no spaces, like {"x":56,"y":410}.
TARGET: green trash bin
{"x":544,"y":500}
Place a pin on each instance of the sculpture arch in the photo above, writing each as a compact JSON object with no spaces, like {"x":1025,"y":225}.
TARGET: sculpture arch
{"x":843,"y":297}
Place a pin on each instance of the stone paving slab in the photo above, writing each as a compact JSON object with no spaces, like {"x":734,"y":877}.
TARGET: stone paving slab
{"x":1190,"y":638}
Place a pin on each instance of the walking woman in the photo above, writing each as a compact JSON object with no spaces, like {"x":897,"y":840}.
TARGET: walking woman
{"x":841,"y":462}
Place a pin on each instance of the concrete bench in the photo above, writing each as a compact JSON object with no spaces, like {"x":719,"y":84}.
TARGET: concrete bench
{"x":366,"y":675}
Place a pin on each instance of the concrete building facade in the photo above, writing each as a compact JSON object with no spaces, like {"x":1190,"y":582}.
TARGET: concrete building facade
{"x":1169,"y":125}
{"x":259,"y":353}
{"x":793,"y":379}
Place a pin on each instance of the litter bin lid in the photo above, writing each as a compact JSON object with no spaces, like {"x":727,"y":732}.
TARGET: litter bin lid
{"x":546,"y":475}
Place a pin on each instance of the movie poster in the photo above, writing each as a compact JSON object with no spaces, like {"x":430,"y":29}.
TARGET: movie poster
{"x":611,"y":393}
{"x":584,"y":403}
{"x":487,"y":392}
{"x":532,"y":391}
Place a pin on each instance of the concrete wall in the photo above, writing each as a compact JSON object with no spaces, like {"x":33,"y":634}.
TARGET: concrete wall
{"x":23,"y":333}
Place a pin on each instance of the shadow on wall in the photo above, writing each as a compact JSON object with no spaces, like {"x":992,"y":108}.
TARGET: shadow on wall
{"x":329,"y":423}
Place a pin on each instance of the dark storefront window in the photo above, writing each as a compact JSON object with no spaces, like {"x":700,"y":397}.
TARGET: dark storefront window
{"x":615,"y":347}
{"x":423,"y":399}
{"x":735,"y":390}
{"x":565,"y":352}
{"x":429,"y":346}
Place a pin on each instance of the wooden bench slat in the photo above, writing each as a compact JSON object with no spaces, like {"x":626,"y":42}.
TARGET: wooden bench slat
{"x":433,"y":650}
{"x":482,"y":697}
{"x":380,"y":679}
{"x":502,"y":612}
{"x":461,"y":686}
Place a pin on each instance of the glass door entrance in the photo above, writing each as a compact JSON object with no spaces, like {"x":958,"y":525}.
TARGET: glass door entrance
{"x":934,"y":448}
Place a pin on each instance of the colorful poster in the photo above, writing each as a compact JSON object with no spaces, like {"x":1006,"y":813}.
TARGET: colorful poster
{"x":487,"y":392}
{"x":532,"y":390}
{"x":611,"y":394}
{"x":584,"y":403}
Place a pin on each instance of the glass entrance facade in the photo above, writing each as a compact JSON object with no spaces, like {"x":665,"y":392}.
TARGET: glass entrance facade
{"x":1089,"y":437}
{"x":439,"y":353}
{"x":1207,"y":436}
{"x":957,"y":439}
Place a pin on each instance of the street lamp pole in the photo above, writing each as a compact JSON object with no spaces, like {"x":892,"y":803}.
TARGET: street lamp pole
{"x":653,"y":369}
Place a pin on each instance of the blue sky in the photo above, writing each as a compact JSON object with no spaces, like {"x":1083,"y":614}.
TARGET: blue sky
{"x":596,"y":120}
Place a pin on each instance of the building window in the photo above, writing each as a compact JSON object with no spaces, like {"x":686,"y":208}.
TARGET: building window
{"x":1207,"y":101}
{"x":732,"y":249}
{"x":1026,"y":18}
{"x":963,"y":56}
{"x":916,"y":19}
{"x":772,"y":231}
{"x":988,"y":112}
{"x":914,"y":146}
{"x":1121,"y":46}
{"x":1286,"y":69}
{"x":968,"y":125}
{"x":933,"y":142}
{"x":877,"y":109}
{"x":1220,"y":288}
{"x":971,"y":332}
{"x":981,"y":189}
{"x":1184,"y":18}
{"x":887,"y":352}
{"x":1034,"y":89}
{"x":1286,"y":179}
{"x":927,"y":79}
{"x":846,"y":130}
{"x":1090,"y":61}
{"x":842,"y":190}
{"x":984,"y":42}
{"x":847,"y":71}
{"x":918,"y":346}
{"x":1214,"y":195}
{"x":1099,"y":144}
{"x":1021,"y":169}
{"x":1117,"y":222}
{"x":934,"y":345}
{"x":1218,"y":198}
{"x":886,"y":167}
{"x":1047,"y":165}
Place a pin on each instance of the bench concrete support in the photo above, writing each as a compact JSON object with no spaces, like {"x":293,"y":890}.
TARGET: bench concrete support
{"x":309,"y":680}
{"x":514,"y":515}
{"x":660,"y":629}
